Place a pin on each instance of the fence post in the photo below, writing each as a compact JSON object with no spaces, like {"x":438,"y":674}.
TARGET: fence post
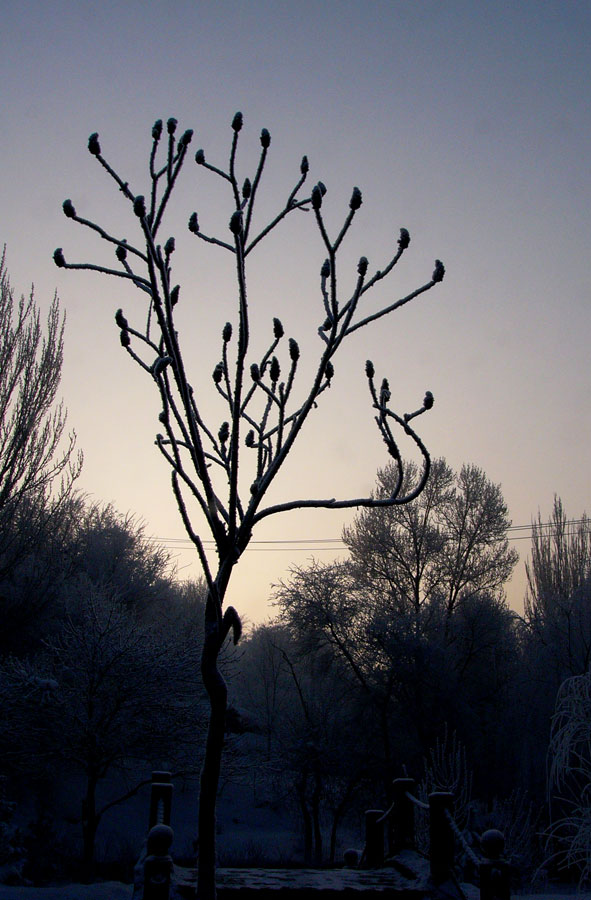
{"x":442,"y":849}
{"x":158,"y":865}
{"x":160,"y":799}
{"x":374,"y":838}
{"x":495,"y":872}
{"x":403,"y":821}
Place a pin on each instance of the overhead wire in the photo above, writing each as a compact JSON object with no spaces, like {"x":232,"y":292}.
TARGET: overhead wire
{"x":320,"y":544}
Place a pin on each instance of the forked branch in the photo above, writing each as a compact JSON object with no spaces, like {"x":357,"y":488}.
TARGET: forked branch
{"x":261,"y":418}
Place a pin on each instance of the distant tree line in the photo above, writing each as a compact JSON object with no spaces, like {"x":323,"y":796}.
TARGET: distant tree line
{"x":408,"y":646}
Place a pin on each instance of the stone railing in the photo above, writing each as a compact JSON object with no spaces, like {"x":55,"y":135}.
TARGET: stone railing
{"x":398,"y":822}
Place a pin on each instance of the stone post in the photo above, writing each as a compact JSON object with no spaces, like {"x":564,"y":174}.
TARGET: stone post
{"x":374,"y":838}
{"x":160,"y":799}
{"x":403,"y":822}
{"x":495,"y":872}
{"x":158,"y":865}
{"x":442,"y":845}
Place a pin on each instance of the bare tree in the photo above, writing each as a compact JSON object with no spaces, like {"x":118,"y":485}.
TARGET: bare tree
{"x":32,"y":426}
{"x":557,"y":620}
{"x":311,"y":722}
{"x":263,"y":417}
{"x":417,"y":613}
{"x":449,"y":544}
{"x":559,"y":586}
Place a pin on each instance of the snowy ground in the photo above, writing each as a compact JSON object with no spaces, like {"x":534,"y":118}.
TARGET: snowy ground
{"x":110,"y":890}
{"x":115,"y":891}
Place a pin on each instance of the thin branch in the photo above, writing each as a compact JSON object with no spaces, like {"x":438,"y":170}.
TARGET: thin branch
{"x":189,"y":529}
{"x":391,"y":308}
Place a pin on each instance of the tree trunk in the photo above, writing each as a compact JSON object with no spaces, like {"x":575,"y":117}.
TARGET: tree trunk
{"x":333,"y":837}
{"x":210,"y":773}
{"x":338,"y":814}
{"x":90,"y":821}
{"x":316,"y":819}
{"x":306,"y":817}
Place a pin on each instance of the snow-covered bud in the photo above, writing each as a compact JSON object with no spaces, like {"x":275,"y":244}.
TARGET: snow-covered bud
{"x":186,"y":138}
{"x":429,"y":400}
{"x":438,"y":271}
{"x":157,"y":129}
{"x":218,"y":373}
{"x":294,"y":350}
{"x":265,"y":138}
{"x":362,"y":266}
{"x":329,"y":371}
{"x":139,"y":206}
{"x":169,"y":246}
{"x":316,"y":197}
{"x":120,"y":319}
{"x":174,"y":295}
{"x":236,"y":223}
{"x":237,"y":122}
{"x":200,"y":157}
{"x":404,"y":239}
{"x":249,"y":439}
{"x":325,"y":270}
{"x":194,"y":223}
{"x":356,"y":199}
{"x":68,"y":208}
{"x":160,"y":364}
{"x":246,"y":189}
{"x":171,"y":125}
{"x":278,"y":329}
{"x":93,"y":144}
{"x":224,"y":432}
{"x":59,"y":258}
{"x":255,"y":372}
{"x":275,"y":370}
{"x":304,"y":165}
{"x":121,"y":252}
{"x":369,"y":369}
{"x":124,"y":338}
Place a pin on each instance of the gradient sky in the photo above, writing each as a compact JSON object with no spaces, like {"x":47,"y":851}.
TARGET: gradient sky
{"x":468,"y":123}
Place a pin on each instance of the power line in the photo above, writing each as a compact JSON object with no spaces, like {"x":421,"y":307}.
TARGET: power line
{"x":320,"y":544}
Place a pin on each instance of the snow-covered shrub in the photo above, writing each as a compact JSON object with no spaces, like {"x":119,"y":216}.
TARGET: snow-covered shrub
{"x":445,"y":769}
{"x":569,"y":778}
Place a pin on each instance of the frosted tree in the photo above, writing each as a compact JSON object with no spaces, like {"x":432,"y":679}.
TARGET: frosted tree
{"x":110,"y":689}
{"x":263,"y":419}
{"x":38,"y":462}
{"x":557,"y":608}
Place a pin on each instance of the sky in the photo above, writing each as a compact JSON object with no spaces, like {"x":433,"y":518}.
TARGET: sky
{"x":468,"y":123}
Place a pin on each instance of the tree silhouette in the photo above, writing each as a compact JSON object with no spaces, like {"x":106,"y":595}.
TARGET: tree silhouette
{"x":263,"y":418}
{"x":36,"y":455}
